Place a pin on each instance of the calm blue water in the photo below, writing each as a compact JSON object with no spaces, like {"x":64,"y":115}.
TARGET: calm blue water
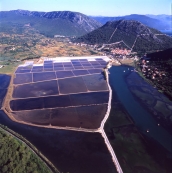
{"x":4,"y":82}
{"x":142,"y":118}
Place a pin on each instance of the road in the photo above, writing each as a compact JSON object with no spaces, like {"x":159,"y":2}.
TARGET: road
{"x":114,"y":158}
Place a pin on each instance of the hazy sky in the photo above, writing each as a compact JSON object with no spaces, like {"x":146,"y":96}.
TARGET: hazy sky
{"x":92,"y":7}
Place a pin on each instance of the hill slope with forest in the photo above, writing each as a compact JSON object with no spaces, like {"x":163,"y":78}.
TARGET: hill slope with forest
{"x":135,"y":34}
{"x":65,"y":23}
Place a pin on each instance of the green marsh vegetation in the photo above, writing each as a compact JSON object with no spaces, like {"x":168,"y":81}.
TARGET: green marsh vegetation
{"x":131,"y":148}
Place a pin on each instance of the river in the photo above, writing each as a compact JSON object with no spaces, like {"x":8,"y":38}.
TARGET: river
{"x":142,"y":118}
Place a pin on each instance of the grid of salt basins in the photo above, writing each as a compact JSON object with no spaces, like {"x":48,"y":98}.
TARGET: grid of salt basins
{"x":61,"y":92}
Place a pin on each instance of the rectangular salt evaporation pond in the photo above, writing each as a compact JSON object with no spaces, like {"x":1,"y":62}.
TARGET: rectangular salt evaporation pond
{"x":83,"y":60}
{"x":48,"y":66}
{"x":80,"y":72}
{"x":86,"y":65}
{"x":77,"y":64}
{"x":25,"y":68}
{"x":57,"y":101}
{"x":95,"y":82}
{"x":89,"y":98}
{"x":48,"y":69}
{"x":48,"y":62}
{"x":64,"y":74}
{"x":95,"y":64}
{"x":72,"y":85}
{"x":78,"y":67}
{"x":64,"y":117}
{"x":37,"y":69}
{"x":82,"y":99}
{"x":93,"y":71}
{"x":43,"y":76}
{"x":39,"y":117}
{"x":76,"y":99}
{"x":57,"y":64}
{"x":74,"y":60}
{"x":67,"y":64}
{"x":36,"y":89}
{"x":40,"y":103}
{"x":58,"y":68}
{"x":99,"y":66}
{"x":102,"y":62}
{"x":22,"y":78}
{"x":89,"y":117}
{"x":21,"y":70}
{"x":26,"y":104}
{"x":69,"y":68}
{"x":98,"y":59}
{"x":98,"y":62}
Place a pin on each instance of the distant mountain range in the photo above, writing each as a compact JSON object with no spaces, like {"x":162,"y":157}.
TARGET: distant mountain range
{"x":134,"y":30}
{"x":160,"y":22}
{"x":65,"y":23}
{"x":69,"y":23}
{"x":162,"y":17}
{"x":137,"y":36}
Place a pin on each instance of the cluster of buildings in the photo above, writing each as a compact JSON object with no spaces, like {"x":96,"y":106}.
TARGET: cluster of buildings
{"x":121,"y":51}
{"x":150,"y":71}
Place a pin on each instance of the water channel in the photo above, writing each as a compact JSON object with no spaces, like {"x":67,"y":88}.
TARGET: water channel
{"x":142,"y":118}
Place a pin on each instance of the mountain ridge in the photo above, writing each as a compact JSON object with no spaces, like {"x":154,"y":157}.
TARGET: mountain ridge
{"x":65,"y":23}
{"x":136,"y":35}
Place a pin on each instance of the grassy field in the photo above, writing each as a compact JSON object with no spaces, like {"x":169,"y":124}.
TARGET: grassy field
{"x":9,"y":69}
{"x":31,"y":45}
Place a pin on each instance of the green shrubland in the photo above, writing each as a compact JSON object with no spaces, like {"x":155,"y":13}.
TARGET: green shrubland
{"x":16,"y":157}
